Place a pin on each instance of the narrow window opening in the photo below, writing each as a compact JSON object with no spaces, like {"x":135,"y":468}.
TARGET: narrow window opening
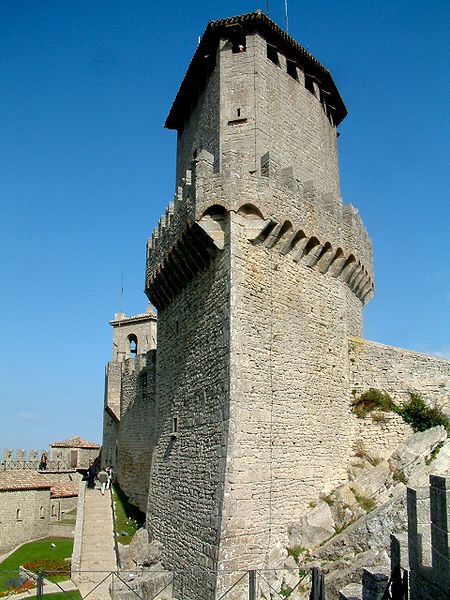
{"x":238,"y":112}
{"x":272,"y":54}
{"x":238,"y":44}
{"x":177,"y":327}
{"x":195,"y":153}
{"x":174,"y":430}
{"x":18,"y":515}
{"x":41,"y":512}
{"x":309,"y":84}
{"x":291,"y":68}
{"x":133,"y":345}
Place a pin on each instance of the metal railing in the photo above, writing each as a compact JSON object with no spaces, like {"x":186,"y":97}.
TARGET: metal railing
{"x":33,"y":465}
{"x":162,"y":585}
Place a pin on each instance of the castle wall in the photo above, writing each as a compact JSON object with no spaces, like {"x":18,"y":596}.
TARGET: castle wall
{"x":289,"y":418}
{"x":32,"y":521}
{"x":109,"y":440}
{"x":398,"y":372}
{"x":186,"y":485}
{"x":136,"y":431}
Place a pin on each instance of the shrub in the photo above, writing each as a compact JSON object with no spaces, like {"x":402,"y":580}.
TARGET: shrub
{"x":371,"y":400}
{"x":364,"y":502}
{"x":399,"y":475}
{"x":415,"y":412}
{"x":420,"y":416}
{"x":434,"y":453}
{"x":297,"y":552}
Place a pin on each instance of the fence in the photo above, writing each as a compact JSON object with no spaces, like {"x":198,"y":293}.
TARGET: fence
{"x":160,"y":585}
{"x":33,"y":465}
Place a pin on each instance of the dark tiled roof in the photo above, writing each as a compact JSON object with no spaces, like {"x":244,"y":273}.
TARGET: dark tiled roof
{"x":22,"y":480}
{"x":75,"y":442}
{"x":249,"y":23}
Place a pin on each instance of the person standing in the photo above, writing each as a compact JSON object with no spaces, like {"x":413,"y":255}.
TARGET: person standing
{"x":43,"y":462}
{"x":103,"y":479}
{"x":109,"y":471}
{"x":91,"y":473}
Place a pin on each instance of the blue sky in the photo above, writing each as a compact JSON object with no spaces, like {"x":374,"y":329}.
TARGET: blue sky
{"x":87,"y":168}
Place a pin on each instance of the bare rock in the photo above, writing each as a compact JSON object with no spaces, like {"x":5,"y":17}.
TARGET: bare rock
{"x":414,"y":452}
{"x":349,"y":571}
{"x":315,"y":527}
{"x":371,"y":531}
{"x":138,"y":546}
{"x":372,"y":482}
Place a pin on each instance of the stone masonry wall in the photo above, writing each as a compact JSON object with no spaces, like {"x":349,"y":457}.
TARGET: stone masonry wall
{"x":201,"y":131}
{"x":398,"y":372}
{"x":31,"y":521}
{"x":186,"y":486}
{"x":280,"y":115}
{"x":136,"y":432}
{"x":290,"y":424}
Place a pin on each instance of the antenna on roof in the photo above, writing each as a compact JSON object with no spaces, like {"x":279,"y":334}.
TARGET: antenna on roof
{"x":286,"y":11}
{"x":267,"y":8}
{"x":121,"y":299}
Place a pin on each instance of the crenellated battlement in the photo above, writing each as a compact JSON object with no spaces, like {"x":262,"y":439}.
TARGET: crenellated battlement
{"x":282,"y":211}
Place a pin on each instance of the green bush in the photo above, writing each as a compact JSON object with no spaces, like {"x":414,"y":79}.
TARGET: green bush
{"x":420,"y":416}
{"x":415,"y":412}
{"x":371,"y":400}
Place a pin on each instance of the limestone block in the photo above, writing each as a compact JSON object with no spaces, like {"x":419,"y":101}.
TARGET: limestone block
{"x":371,"y":531}
{"x":352,"y":591}
{"x":416,"y":449}
{"x":374,"y":583}
{"x":372,"y":482}
{"x":345,"y":496}
{"x":316,"y":526}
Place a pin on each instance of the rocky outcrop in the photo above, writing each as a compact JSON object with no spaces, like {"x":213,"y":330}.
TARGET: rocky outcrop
{"x":142,"y":574}
{"x":350,"y":528}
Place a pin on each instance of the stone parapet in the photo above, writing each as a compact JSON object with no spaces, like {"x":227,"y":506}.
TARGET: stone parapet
{"x":316,"y":228}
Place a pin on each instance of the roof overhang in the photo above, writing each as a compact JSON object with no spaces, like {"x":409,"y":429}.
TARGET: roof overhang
{"x":274,"y":35}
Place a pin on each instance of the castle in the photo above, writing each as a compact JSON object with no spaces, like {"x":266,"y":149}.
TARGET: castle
{"x":259,"y":272}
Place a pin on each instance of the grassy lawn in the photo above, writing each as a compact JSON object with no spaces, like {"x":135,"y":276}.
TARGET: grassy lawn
{"x":41,"y":549}
{"x":128,"y":518}
{"x":64,"y":596}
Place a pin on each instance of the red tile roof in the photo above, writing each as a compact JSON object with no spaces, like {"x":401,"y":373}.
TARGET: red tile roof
{"x":64,"y":490}
{"x":22,"y":480}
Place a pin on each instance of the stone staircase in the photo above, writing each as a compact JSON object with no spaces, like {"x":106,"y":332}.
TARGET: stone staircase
{"x":98,"y":557}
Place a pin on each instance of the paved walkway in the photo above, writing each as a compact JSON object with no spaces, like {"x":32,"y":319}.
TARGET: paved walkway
{"x":98,"y":557}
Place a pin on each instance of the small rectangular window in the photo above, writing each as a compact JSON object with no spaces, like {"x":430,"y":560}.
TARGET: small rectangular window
{"x":309,"y":84}
{"x":272,"y":54}
{"x":238,"y":44}
{"x":174,"y":430}
{"x":291,"y":68}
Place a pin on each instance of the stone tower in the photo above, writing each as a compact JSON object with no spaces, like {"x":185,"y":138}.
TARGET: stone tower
{"x":259,"y":274}
{"x":133,"y":338}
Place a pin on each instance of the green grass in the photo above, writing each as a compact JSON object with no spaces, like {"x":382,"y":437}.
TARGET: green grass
{"x":128,"y":518}
{"x":73,"y":595}
{"x":40,"y":549}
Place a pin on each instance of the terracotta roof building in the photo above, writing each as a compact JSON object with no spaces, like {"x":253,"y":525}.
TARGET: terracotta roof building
{"x":75,"y":452}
